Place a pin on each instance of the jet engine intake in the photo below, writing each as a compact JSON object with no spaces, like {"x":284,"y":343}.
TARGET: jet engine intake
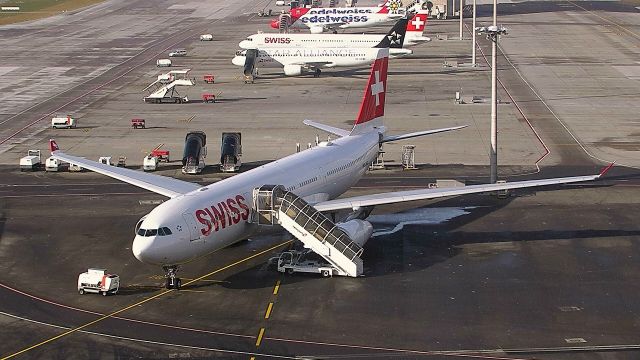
{"x":292,"y":70}
{"x":358,"y":230}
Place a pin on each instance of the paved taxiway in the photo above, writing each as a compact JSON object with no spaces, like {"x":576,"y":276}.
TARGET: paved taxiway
{"x":545,"y":275}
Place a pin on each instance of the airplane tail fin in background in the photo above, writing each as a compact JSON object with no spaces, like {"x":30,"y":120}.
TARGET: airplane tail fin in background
{"x":395,"y":37}
{"x":371,"y":112}
{"x":53,"y":146}
{"x":418,"y":22}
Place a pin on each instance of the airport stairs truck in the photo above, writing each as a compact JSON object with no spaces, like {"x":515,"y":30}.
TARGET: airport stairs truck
{"x":230,"y":152}
{"x":339,"y":244}
{"x":250,"y":69}
{"x":195,"y":150}
{"x":165,"y":88}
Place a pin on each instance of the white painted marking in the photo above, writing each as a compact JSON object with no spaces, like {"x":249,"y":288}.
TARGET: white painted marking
{"x":377,"y":88}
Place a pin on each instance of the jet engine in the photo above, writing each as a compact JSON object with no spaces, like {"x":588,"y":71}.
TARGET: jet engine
{"x":358,"y":230}
{"x":292,"y":70}
{"x":316,"y":29}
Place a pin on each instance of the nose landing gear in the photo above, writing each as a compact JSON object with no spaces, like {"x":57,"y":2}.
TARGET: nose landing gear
{"x":172,"y":281}
{"x":317,"y":73}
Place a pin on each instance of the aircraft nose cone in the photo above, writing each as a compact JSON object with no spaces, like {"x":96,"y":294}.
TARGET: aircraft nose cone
{"x":142,"y":250}
{"x":238,"y":61}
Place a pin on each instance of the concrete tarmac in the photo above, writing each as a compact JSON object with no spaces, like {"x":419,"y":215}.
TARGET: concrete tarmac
{"x":540,"y":275}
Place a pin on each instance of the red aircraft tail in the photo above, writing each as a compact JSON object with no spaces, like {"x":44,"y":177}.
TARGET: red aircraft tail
{"x":371,"y":111}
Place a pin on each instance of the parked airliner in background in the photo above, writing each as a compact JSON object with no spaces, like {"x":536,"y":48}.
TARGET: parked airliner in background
{"x":413,"y":36}
{"x":198,"y":220}
{"x":294,"y":60}
{"x":317,"y":20}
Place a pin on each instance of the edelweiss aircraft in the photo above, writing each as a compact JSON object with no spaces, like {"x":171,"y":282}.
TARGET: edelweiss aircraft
{"x":198,"y":220}
{"x":295,"y":60}
{"x":413,"y":35}
{"x":318,"y":20}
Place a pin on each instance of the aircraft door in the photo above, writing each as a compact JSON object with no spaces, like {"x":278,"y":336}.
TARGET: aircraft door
{"x":194,"y":232}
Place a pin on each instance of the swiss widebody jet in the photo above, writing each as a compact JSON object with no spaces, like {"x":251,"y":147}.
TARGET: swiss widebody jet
{"x":198,"y":220}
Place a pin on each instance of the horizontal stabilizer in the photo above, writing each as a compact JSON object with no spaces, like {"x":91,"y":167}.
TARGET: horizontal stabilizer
{"x":420,"y":133}
{"x":327,"y":128}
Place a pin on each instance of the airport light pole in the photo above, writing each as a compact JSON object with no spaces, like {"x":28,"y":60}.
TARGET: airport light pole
{"x":473,"y":37}
{"x":493,"y":33}
{"x":460,"y":12}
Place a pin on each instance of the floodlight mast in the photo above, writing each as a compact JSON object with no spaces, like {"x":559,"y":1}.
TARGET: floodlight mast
{"x":493,"y":32}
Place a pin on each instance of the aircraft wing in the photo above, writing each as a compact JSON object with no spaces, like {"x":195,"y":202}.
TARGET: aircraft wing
{"x":425,"y":194}
{"x":162,"y":185}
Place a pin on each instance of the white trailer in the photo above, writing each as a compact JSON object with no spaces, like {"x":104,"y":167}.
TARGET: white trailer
{"x":150,"y":163}
{"x":163,"y":63}
{"x":294,"y":262}
{"x":63,"y":122}
{"x":98,"y":281}
{"x":31,"y":161}
{"x":52,"y":164}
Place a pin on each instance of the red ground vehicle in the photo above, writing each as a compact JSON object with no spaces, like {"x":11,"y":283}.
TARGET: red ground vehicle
{"x":209,"y":79}
{"x":137,"y":123}
{"x":208,"y":98}
{"x":162,"y":155}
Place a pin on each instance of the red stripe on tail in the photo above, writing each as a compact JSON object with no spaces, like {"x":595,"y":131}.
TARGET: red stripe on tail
{"x":372,"y":106}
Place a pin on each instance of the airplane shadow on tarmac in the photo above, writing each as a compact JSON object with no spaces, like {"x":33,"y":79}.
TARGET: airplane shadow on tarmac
{"x":417,"y":246}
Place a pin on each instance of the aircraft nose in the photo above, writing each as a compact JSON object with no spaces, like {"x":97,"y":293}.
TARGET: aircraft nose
{"x":238,"y":60}
{"x":142,"y":249}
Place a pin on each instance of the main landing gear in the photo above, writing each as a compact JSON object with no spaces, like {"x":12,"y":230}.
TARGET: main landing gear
{"x":317,"y":73}
{"x":172,"y":281}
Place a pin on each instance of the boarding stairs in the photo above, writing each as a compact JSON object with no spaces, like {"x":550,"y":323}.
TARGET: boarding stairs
{"x":166,"y":85}
{"x":273,"y":205}
{"x":283,"y":23}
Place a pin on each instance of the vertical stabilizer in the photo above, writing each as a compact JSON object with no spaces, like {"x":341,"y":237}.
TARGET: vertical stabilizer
{"x":395,"y":37}
{"x":371,"y":111}
{"x":415,"y":28}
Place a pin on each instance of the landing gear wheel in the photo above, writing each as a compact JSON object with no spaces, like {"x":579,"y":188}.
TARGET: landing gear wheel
{"x":317,"y":73}
{"x":172,"y":281}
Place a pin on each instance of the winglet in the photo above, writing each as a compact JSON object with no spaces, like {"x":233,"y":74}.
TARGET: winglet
{"x":53,"y":146}
{"x":606,"y":169}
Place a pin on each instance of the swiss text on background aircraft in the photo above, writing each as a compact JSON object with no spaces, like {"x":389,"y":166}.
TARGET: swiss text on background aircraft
{"x":318,"y":20}
{"x":296,"y":60}
{"x":198,"y":220}
{"x":414,"y":35}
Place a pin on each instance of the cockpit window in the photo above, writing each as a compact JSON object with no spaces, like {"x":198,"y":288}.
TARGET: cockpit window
{"x":151,"y":232}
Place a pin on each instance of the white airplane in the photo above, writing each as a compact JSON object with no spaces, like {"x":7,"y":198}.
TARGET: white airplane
{"x":198,"y":220}
{"x":297,"y":59}
{"x":413,"y":36}
{"x":317,"y":20}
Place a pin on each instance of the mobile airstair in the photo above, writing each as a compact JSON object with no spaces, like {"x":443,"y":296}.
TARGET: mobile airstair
{"x":274,"y":205}
{"x":164,"y":89}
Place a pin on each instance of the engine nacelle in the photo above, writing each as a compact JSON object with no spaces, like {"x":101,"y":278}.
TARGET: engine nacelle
{"x":316,"y":29}
{"x":358,"y":230}
{"x":292,"y":70}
